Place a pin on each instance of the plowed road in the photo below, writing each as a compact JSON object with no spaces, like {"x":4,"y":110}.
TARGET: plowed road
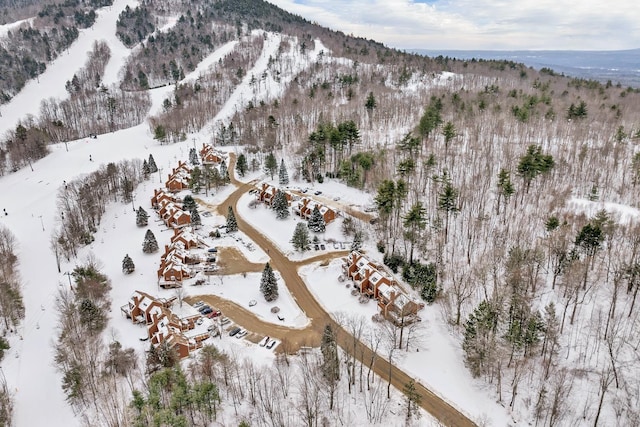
{"x":293,"y":338}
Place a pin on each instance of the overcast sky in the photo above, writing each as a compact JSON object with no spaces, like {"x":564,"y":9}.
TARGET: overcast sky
{"x":481,"y":24}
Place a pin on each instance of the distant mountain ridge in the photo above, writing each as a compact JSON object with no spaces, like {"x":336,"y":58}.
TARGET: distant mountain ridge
{"x":621,"y":66}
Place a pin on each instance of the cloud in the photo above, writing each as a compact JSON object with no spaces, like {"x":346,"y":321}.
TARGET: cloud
{"x":480,"y":24}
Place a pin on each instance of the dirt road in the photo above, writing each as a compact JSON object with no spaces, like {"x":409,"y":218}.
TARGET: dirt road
{"x":310,"y":336}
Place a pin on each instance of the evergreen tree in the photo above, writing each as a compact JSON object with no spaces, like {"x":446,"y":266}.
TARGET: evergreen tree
{"x":150,"y":243}
{"x":300,"y":239}
{"x":280,"y":205}
{"x":153,"y":168}
{"x":370,"y":103}
{"x":269,"y":284}
{"x":414,"y":221}
{"x":146,"y":171}
{"x":448,"y":202}
{"x":195,"y":180}
{"x":505,"y":188}
{"x":534,"y":163}
{"x":283,"y":175}
{"x":241,"y":165}
{"x":188,"y":203}
{"x":479,"y":337}
{"x":142,"y":217}
{"x":271,"y":164}
{"x":330,"y":366}
{"x":195,"y":217}
{"x":357,"y":241}
{"x":127,"y":265}
{"x":224,"y":172}
{"x":232,"y":224}
{"x":193,"y":156}
{"x":316,"y":222}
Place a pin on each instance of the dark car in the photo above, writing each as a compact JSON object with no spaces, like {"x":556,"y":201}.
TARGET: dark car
{"x":322,"y":246}
{"x":206,"y":311}
{"x":316,"y":247}
{"x":317,"y":193}
{"x":234,"y":331}
{"x":203,"y":308}
{"x":212,"y":250}
{"x":271,"y":344}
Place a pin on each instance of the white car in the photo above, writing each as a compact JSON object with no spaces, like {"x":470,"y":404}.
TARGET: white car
{"x":198,"y":304}
{"x":241,"y":334}
{"x":252,"y":303}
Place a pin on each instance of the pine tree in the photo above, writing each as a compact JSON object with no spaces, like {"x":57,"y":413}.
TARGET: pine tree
{"x":153,"y":168}
{"x":128,"y":266}
{"x":193,"y":157}
{"x":142,"y":217}
{"x":280,"y":205}
{"x":224,"y":172}
{"x":269,"y":284}
{"x":370,"y":103}
{"x":146,"y":171}
{"x":232,"y":224}
{"x":241,"y":165}
{"x":188,"y":203}
{"x":300,"y":239}
{"x":357,"y":240}
{"x":329,"y":349}
{"x":316,"y":222}
{"x":150,"y":243}
{"x":283,"y":175}
{"x":271,"y":164}
{"x":195,"y":217}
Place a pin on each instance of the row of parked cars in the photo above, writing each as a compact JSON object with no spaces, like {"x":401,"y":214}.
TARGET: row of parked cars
{"x":206,"y":310}
{"x":237,"y":331}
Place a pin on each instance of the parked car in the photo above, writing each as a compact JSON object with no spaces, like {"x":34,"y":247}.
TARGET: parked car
{"x":252,"y":303}
{"x":234,"y":331}
{"x":241,"y":334}
{"x":199,"y":321}
{"x":336,"y":198}
{"x":212,"y":250}
{"x":264,"y":341}
{"x":322,"y":246}
{"x":203,"y":308}
{"x":211,"y":328}
{"x":271,"y":344}
{"x":225,"y":320}
{"x":316,"y":247}
{"x":206,"y":311}
{"x":214,"y":313}
{"x":198,"y":304}
{"x":211,"y":259}
{"x":318,"y":192}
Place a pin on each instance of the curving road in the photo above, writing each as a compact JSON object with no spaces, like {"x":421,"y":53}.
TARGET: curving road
{"x":310,"y":336}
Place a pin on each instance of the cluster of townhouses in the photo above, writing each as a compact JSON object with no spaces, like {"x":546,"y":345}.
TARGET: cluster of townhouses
{"x":300,"y":206}
{"x":372,"y":280}
{"x":179,"y":178}
{"x":169,"y":209}
{"x":177,"y":257}
{"x":211,"y":156}
{"x":165,"y":322}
